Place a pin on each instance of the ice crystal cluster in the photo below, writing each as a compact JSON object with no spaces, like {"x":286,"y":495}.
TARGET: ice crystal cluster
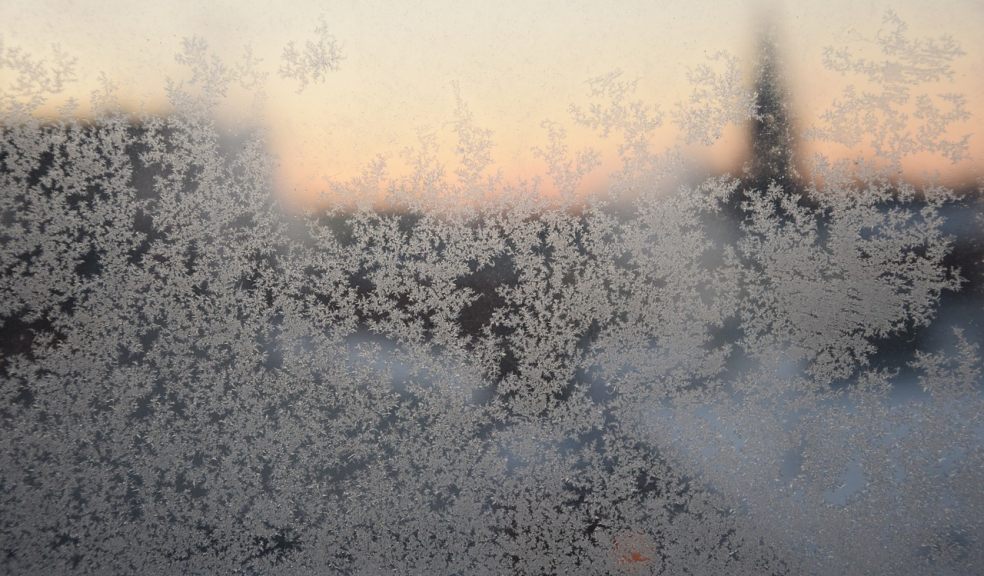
{"x":744,"y":373}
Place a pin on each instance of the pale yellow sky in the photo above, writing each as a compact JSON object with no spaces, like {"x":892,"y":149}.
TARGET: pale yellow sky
{"x":516,"y":63}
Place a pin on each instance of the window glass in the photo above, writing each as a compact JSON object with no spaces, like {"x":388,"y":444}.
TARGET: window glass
{"x":453,"y":288}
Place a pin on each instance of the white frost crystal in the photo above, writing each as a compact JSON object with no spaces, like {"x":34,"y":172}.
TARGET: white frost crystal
{"x":721,"y":378}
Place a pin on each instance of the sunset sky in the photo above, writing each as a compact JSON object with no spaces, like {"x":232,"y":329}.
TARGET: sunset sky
{"x":515,"y":65}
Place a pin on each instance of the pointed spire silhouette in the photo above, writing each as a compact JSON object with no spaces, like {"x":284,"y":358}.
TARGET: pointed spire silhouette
{"x":773,"y":141}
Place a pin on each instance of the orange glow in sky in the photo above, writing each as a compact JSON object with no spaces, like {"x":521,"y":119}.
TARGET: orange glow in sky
{"x":514,"y":64}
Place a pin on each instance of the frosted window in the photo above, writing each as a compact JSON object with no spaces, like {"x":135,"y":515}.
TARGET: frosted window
{"x":715,"y":318}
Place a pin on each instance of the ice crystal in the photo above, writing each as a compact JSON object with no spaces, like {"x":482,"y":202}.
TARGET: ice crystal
{"x":734,"y":375}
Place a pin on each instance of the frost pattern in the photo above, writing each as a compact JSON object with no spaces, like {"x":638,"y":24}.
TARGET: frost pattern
{"x":720,"y":97}
{"x":718,"y":378}
{"x":899,"y":115}
{"x":312,"y":64}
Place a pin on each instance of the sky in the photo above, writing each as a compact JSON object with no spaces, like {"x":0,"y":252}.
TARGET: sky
{"x":515,"y":64}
